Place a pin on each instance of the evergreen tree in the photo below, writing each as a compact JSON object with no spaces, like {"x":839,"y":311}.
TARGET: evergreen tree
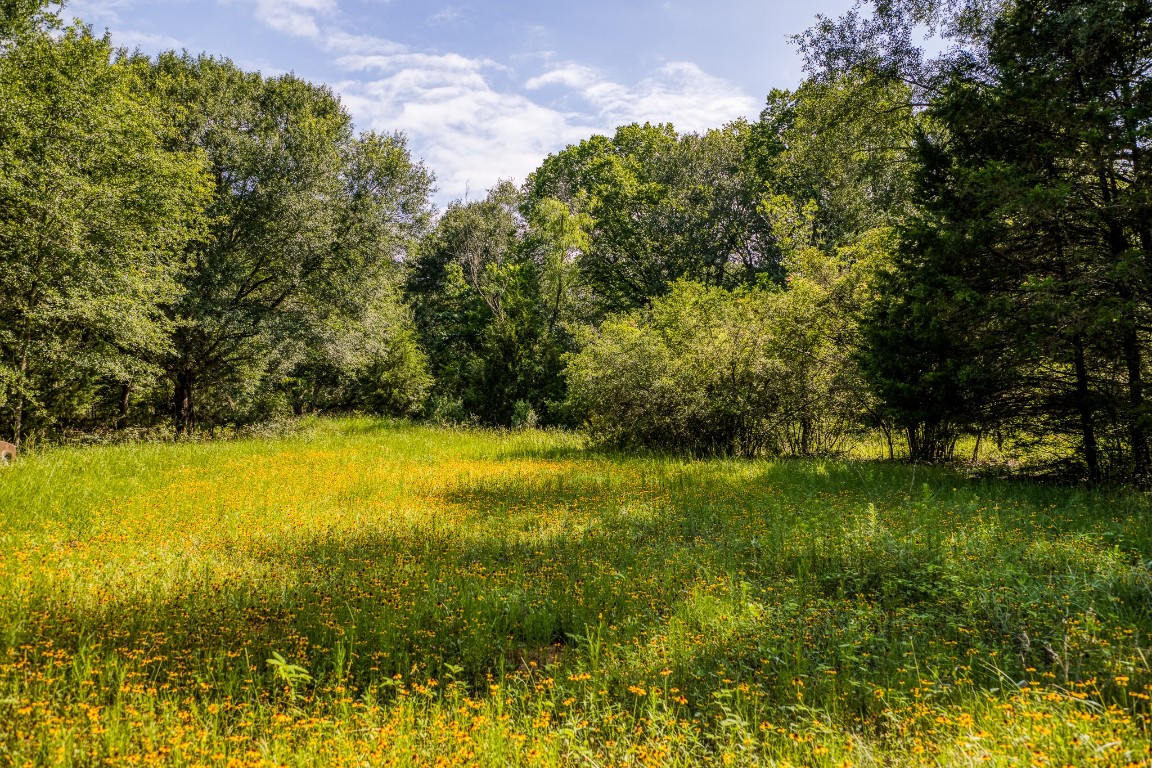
{"x":1026,"y":275}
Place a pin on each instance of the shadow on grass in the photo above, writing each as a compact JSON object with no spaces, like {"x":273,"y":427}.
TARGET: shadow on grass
{"x":771,"y":571}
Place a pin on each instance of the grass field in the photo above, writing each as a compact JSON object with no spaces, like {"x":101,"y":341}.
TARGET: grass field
{"x":435,"y":597}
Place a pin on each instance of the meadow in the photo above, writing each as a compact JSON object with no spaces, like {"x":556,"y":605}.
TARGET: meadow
{"x":370,"y":593}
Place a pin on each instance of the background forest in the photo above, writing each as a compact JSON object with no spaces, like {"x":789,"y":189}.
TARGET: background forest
{"x":924,"y":248}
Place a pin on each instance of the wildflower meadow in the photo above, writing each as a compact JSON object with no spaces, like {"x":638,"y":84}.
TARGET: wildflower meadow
{"x":369,"y":593}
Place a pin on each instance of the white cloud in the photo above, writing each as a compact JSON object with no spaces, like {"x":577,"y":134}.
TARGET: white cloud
{"x":468,"y":132}
{"x":298,"y":18}
{"x":473,"y":134}
{"x":437,"y":65}
{"x":474,"y":120}
{"x":104,"y":14}
{"x":575,"y":76}
{"x":107,"y":11}
{"x":468,"y":118}
{"x":445,"y":15}
{"x":131,"y":39}
{"x":679,"y":92}
{"x":338,"y":41}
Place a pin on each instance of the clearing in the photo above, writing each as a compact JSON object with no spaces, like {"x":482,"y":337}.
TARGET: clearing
{"x":430,"y":596}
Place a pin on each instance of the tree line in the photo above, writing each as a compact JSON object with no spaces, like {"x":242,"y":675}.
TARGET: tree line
{"x":925,"y":247}
{"x":184,"y":241}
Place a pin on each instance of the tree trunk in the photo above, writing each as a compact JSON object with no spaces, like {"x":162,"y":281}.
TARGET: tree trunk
{"x":1084,"y":406}
{"x":917,"y":443}
{"x":182,"y":404}
{"x":556,"y":304}
{"x":125,"y":401}
{"x":1137,"y":433}
{"x":18,"y":410}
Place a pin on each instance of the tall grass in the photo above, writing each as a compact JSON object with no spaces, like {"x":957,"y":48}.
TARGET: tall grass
{"x":430,"y":596}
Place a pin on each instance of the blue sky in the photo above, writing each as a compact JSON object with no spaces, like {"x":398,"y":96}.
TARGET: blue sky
{"x":485,"y":90}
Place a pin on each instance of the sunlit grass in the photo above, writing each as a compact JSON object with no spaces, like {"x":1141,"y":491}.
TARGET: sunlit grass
{"x":501,"y":599}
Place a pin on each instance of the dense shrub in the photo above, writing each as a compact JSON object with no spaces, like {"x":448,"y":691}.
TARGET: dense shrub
{"x":372,"y":364}
{"x":704,"y":370}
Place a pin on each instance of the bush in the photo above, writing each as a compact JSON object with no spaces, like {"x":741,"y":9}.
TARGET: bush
{"x":447,"y":411}
{"x":707,"y":371}
{"x":524,"y":415}
{"x":370,"y":363}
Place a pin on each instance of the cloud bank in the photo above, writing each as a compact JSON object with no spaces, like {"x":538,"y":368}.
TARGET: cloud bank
{"x":473,"y":132}
{"x":473,"y":120}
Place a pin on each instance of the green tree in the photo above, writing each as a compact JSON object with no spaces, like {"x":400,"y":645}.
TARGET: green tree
{"x":368,"y":361}
{"x":829,"y":292}
{"x":835,"y":159}
{"x":20,"y":18}
{"x":661,"y":207}
{"x":705,"y":370}
{"x":488,"y":326}
{"x":363,"y":352}
{"x":555,"y":240}
{"x":1022,"y":285}
{"x":95,"y":208}
{"x":306,"y":220}
{"x":846,"y":145}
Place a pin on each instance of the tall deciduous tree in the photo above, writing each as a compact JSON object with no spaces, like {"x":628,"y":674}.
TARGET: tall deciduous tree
{"x":305,"y":218}
{"x":661,"y":207}
{"x":19,"y":18}
{"x":845,"y":144}
{"x":363,"y":353}
{"x":835,"y":157}
{"x":94,"y":212}
{"x":479,"y":292}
